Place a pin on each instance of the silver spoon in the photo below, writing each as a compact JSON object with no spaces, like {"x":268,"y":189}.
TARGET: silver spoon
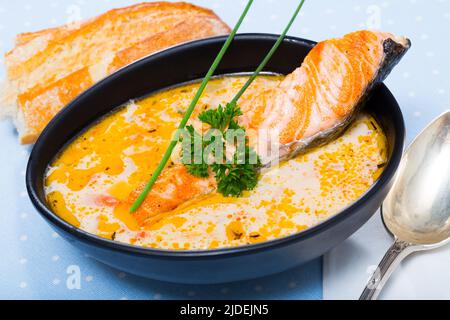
{"x":417,"y":209}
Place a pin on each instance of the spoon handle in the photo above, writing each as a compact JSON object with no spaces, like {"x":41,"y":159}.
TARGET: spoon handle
{"x":396,"y":253}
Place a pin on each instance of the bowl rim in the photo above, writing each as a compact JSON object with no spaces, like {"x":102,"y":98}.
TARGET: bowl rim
{"x":92,"y":239}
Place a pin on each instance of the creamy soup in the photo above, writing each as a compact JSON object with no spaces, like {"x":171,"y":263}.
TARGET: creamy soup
{"x":88,"y":180}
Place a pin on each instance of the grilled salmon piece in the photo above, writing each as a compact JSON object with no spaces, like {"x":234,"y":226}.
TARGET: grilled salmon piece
{"x":317,"y":101}
{"x":173,"y":187}
{"x":311,"y":106}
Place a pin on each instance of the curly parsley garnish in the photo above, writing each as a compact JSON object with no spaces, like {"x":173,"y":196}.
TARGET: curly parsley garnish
{"x":222,"y":118}
{"x":233,"y":175}
{"x":233,"y":179}
{"x":193,"y":167}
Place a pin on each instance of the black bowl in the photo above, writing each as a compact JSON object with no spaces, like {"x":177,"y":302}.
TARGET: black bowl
{"x":186,"y":63}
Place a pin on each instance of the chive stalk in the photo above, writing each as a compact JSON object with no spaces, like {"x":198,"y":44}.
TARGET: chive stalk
{"x":269,"y":55}
{"x":202,"y":87}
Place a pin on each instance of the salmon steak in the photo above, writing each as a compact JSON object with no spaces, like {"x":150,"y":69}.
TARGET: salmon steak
{"x":308,"y":108}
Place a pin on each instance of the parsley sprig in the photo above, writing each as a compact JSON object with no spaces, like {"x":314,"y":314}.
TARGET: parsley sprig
{"x":222,"y":118}
{"x":233,"y":179}
{"x":197,"y":168}
{"x":235,"y":176}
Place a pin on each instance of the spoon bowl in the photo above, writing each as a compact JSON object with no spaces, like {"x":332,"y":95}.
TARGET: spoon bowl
{"x":417,"y":209}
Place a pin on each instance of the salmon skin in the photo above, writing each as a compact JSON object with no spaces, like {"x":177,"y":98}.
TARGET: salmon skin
{"x":310,"y":107}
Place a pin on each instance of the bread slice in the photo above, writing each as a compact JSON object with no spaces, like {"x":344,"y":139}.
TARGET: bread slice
{"x":48,"y":68}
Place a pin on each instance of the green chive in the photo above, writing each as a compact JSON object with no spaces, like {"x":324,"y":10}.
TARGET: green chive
{"x":188,"y":113}
{"x":269,"y":55}
{"x":205,"y":81}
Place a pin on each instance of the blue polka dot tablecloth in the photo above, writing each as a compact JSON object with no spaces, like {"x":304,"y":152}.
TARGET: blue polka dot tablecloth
{"x":35,"y":263}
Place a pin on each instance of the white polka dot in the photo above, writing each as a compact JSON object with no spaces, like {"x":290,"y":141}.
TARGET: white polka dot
{"x":27,"y":23}
{"x":55,"y":258}
{"x":55,"y":235}
{"x":23,"y":260}
{"x":406,"y":75}
{"x":157,"y":296}
{"x":24,"y":215}
{"x":329,"y":11}
{"x":357,"y":8}
{"x":385,"y":4}
{"x":419,"y":18}
{"x":23,"y":194}
{"x":23,"y":237}
{"x":390,"y":22}
{"x":417,"y":114}
{"x":22,"y":173}
{"x":258,"y":288}
{"x":273,"y":17}
{"x":435,"y":72}
{"x":412,"y":94}
{"x":56,"y":281}
{"x":441,"y":91}
{"x":89,"y":278}
{"x":224,"y":290}
{"x":23,"y":285}
{"x":430,"y":54}
{"x":28,"y":7}
{"x":191,"y":293}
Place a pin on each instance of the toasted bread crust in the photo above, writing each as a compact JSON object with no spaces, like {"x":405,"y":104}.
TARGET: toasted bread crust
{"x":48,"y":68}
{"x":192,"y":29}
{"x":39,"y":104}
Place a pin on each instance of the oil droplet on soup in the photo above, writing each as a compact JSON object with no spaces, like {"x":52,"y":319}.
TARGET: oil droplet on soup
{"x":87,"y":181}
